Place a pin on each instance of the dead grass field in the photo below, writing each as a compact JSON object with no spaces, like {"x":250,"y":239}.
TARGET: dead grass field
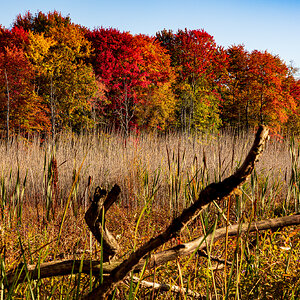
{"x":165,"y":172}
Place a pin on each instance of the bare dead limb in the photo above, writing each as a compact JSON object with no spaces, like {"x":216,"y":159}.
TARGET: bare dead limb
{"x":167,"y":288}
{"x":215,"y":191}
{"x":67,"y":267}
{"x":95,"y":222}
{"x":205,"y":241}
{"x":58,"y":268}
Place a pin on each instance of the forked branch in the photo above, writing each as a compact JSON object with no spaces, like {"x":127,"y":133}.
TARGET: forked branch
{"x":214,"y":191}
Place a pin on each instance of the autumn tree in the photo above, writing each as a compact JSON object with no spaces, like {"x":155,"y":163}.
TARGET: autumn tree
{"x":98,"y":103}
{"x":168,"y":41}
{"x":41,"y":22}
{"x":236,"y":104}
{"x":291,"y":85}
{"x":117,"y":61}
{"x":59,"y":52}
{"x":19,"y":102}
{"x":200,"y":66}
{"x":258,"y":89}
{"x":156,"y":107}
{"x":270,"y":101}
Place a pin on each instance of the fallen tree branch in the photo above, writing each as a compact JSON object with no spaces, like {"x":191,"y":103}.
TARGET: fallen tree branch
{"x":67,"y":267}
{"x":203,"y":253}
{"x":214,"y":191}
{"x":57,"y":268}
{"x":205,"y":241}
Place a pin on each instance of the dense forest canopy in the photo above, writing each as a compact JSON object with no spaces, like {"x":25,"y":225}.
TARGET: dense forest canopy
{"x":57,"y":75}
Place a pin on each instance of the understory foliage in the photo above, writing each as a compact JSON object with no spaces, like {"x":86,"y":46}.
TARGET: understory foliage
{"x":57,"y":75}
{"x":42,"y":205}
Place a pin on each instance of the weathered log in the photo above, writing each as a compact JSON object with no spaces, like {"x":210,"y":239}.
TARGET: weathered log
{"x":214,"y":191}
{"x":58,"y":268}
{"x":205,"y":241}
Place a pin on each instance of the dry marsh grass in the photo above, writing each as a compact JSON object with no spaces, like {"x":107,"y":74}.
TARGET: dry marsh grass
{"x":111,"y":158}
{"x":164,"y":172}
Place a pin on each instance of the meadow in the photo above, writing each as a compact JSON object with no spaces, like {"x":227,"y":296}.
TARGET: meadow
{"x":43,"y":197}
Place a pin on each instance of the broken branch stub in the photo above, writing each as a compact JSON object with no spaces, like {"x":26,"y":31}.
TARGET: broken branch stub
{"x":93,"y":217}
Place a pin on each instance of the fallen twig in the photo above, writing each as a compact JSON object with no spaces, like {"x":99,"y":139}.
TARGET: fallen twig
{"x":166,"y":288}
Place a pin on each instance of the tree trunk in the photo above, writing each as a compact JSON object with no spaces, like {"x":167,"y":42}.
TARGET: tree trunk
{"x":52,"y":108}
{"x":261,"y":108}
{"x":8,"y":105}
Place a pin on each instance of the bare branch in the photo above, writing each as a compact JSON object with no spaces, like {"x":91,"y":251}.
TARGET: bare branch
{"x":215,"y":191}
{"x":167,"y":288}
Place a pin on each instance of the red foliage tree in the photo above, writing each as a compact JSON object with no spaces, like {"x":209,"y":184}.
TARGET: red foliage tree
{"x":271,"y":101}
{"x":200,"y":66}
{"x":157,"y":100}
{"x":117,"y":62}
{"x":22,"y":107}
{"x":258,"y":89}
